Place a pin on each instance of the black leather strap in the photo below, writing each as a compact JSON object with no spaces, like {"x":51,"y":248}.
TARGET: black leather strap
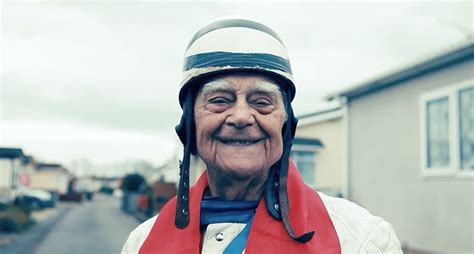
{"x":289,"y":132}
{"x":185,"y":132}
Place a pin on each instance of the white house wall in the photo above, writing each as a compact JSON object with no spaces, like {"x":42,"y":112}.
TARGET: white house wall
{"x":385,"y":174}
{"x":5,"y":173}
{"x":50,"y":180}
{"x":5,"y":179}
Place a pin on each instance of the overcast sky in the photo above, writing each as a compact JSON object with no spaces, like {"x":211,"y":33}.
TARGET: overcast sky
{"x":99,"y":79}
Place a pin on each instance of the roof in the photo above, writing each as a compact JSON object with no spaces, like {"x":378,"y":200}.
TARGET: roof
{"x":320,"y":116}
{"x":448,"y":58}
{"x":48,"y":166}
{"x":307,"y":142}
{"x":11,"y":153}
{"x":318,"y":113}
{"x":28,"y":159}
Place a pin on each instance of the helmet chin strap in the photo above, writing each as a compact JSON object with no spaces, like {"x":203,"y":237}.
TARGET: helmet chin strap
{"x":274,"y":184}
{"x":282,"y":190}
{"x":185,"y":132}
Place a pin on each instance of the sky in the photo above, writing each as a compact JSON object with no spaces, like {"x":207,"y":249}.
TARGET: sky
{"x":99,"y":79}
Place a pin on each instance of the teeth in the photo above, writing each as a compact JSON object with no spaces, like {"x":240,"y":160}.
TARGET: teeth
{"x":239,"y":142}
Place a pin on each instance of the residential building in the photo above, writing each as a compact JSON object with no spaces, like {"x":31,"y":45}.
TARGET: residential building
{"x":28,"y":169}
{"x":10,"y":167}
{"x":318,"y":150}
{"x":410,"y":150}
{"x":51,"y":177}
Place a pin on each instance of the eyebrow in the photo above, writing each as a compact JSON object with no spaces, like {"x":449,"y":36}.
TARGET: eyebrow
{"x":267,"y":87}
{"x":215,"y":86}
{"x":223,"y":86}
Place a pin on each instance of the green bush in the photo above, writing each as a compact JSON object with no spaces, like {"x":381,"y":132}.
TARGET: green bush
{"x":13,"y":218}
{"x":106,"y":190}
{"x":133,"y":182}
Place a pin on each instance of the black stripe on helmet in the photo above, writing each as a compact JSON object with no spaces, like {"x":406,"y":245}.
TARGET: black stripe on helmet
{"x":237,"y":60}
{"x":233,"y":23}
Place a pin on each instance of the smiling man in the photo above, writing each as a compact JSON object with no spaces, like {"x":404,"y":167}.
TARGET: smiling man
{"x":239,"y":118}
{"x":236,"y":96}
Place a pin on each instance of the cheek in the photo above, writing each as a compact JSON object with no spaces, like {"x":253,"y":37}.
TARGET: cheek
{"x":273,"y":127}
{"x":200,"y":127}
{"x":206,"y":125}
{"x":202,"y":131}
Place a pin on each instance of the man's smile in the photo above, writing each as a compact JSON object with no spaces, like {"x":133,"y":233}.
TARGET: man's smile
{"x":239,"y":141}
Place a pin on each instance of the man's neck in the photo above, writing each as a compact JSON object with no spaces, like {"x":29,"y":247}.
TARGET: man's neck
{"x":229,"y":188}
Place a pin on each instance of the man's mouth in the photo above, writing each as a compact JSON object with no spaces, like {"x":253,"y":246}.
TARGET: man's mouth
{"x":239,"y":141}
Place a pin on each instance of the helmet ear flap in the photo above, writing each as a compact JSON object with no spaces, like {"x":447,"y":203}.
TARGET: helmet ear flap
{"x":181,"y":129}
{"x":187,"y":121}
{"x":291,"y":120}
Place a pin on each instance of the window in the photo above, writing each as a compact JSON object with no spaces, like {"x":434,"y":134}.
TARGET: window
{"x":466,"y":128}
{"x":305,"y":162}
{"x":438,"y":133}
{"x":303,"y":153}
{"x":447,"y":127}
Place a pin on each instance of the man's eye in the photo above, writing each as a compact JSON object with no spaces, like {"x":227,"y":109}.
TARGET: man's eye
{"x":219,"y":100}
{"x":262,"y":102}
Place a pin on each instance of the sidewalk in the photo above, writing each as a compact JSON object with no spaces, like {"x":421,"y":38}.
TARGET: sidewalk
{"x":25,"y":242}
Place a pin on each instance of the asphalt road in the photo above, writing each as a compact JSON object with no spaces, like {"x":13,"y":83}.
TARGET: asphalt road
{"x":96,"y":227}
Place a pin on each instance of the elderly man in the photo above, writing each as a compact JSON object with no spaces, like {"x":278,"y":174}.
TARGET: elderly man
{"x":237,"y":117}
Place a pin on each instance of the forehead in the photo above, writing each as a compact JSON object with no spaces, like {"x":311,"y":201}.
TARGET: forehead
{"x":238,"y":83}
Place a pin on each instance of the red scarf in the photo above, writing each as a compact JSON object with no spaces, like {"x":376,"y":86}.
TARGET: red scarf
{"x":267,"y":235}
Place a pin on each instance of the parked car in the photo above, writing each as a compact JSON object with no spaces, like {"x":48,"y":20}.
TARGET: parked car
{"x":86,"y":191}
{"x":35,"y":198}
{"x":106,"y":190}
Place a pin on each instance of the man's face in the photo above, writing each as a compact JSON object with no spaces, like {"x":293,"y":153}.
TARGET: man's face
{"x":239,"y":119}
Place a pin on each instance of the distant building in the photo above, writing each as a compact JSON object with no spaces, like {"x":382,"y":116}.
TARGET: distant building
{"x":411,"y":150}
{"x":28,"y":169}
{"x":168,"y":172}
{"x":196,"y":169}
{"x":10,"y":168}
{"x":319,"y":150}
{"x":51,"y":177}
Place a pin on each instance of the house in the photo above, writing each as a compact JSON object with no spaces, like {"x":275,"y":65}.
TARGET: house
{"x":318,"y":150}
{"x":168,"y":172}
{"x":10,"y":167}
{"x":410,"y":150}
{"x":51,"y":177}
{"x":29,"y":167}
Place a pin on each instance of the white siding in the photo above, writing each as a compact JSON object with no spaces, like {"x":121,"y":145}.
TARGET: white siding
{"x":384,"y":129}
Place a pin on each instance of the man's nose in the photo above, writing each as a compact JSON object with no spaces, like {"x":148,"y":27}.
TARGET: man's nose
{"x":241,"y":115}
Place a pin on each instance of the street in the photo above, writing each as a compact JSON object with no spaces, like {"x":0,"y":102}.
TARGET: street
{"x":91,"y":227}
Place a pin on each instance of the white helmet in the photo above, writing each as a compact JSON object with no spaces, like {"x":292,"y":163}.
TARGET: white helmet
{"x":235,"y":44}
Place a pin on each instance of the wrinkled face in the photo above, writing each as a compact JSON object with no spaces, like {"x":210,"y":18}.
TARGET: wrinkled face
{"x":239,"y":119}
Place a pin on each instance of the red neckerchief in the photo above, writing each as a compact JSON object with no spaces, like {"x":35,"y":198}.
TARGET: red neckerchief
{"x":267,"y":235}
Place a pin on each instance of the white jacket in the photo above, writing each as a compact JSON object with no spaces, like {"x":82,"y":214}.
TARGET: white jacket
{"x":357,"y":229}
